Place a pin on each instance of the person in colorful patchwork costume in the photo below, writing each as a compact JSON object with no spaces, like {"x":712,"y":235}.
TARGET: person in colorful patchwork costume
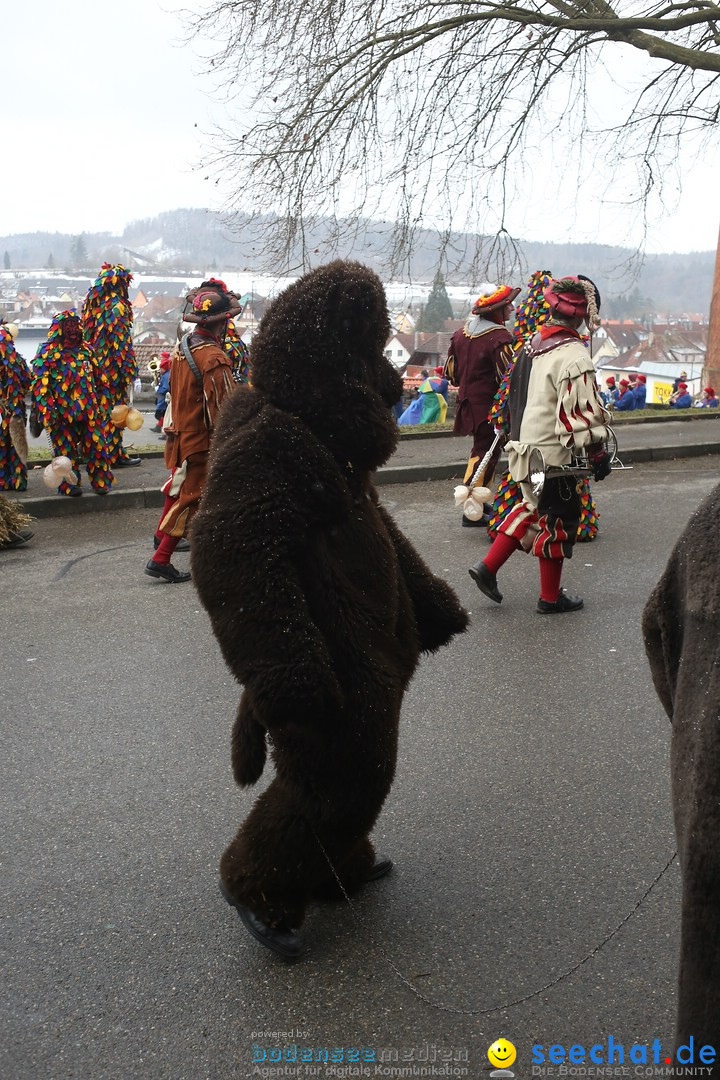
{"x":529,"y":317}
{"x":239,"y":355}
{"x":554,"y":406}
{"x":107,"y":320}
{"x":478,"y":357}
{"x":67,"y":399}
{"x":430,"y":407}
{"x":15,"y":381}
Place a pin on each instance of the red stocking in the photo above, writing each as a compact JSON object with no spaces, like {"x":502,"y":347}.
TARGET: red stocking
{"x":500,"y":551}
{"x":550,"y":573}
{"x":167,"y":546}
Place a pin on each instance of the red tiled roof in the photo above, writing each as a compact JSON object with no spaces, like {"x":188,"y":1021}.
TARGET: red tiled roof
{"x":160,"y":307}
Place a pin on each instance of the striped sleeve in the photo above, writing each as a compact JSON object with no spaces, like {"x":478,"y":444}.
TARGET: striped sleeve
{"x":580,"y":417}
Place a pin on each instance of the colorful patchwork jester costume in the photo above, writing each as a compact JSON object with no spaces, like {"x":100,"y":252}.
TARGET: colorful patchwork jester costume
{"x":67,"y":390}
{"x":107,"y":320}
{"x":14,"y":384}
{"x":529,"y":317}
{"x":239,"y":354}
{"x":232,"y":343}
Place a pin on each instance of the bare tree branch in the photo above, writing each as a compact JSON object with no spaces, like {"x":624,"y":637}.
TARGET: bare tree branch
{"x":421,"y":113}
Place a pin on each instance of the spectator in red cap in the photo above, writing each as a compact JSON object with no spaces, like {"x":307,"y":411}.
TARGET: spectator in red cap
{"x":161,"y":392}
{"x":611,"y":393}
{"x":626,"y":400}
{"x":477,"y":360}
{"x":681,"y":399}
{"x":708,"y":399}
{"x":639,"y":391}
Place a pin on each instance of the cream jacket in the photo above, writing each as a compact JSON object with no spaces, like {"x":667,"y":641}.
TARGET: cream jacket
{"x":563,"y":411}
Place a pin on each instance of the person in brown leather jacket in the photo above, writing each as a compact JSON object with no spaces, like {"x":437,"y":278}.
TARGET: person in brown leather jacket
{"x":200,"y":380}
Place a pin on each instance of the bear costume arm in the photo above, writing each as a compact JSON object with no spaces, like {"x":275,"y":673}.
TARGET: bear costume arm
{"x":438,"y":613}
{"x":269,"y":483}
{"x":662,"y":627}
{"x":681,"y":628}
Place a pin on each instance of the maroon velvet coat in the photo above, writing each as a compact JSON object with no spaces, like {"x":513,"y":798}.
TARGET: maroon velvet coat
{"x":479,"y":366}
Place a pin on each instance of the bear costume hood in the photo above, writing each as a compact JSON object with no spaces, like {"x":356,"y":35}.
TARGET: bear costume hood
{"x":319,"y":355}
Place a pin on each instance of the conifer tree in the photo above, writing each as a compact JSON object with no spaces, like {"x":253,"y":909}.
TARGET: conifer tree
{"x":79,"y":253}
{"x":438,"y":307}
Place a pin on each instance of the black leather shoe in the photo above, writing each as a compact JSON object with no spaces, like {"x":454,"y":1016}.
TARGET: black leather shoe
{"x":379,"y":868}
{"x":563,"y":603}
{"x":167,"y":572}
{"x":126,"y":462}
{"x":183,"y":544}
{"x":485,"y":581}
{"x":17,"y":538}
{"x":286,"y":943}
{"x":468,"y":523}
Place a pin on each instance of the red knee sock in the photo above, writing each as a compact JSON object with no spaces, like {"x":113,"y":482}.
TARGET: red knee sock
{"x":500,"y":551}
{"x":550,"y":573}
{"x":164,"y":552}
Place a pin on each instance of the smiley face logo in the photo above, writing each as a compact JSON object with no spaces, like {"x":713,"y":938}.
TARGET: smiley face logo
{"x":502,"y":1054}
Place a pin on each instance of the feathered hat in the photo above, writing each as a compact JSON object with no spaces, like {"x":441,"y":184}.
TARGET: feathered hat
{"x":493,"y":297}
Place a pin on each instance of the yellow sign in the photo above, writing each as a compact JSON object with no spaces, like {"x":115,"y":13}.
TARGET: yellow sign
{"x":661,"y":392}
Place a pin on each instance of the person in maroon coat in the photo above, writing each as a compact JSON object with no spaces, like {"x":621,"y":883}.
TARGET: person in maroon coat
{"x":478,"y":358}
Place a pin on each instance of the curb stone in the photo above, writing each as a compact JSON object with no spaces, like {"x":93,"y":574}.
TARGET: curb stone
{"x":151,"y":497}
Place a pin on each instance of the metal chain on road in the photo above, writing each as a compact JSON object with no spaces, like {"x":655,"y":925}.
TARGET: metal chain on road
{"x":516,"y":1001}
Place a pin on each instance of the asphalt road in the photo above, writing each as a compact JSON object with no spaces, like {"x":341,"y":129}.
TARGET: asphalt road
{"x":530,"y":813}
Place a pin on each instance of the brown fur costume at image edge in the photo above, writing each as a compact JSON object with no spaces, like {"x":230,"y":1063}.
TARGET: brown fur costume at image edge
{"x":320,"y":604}
{"x":681,"y":627}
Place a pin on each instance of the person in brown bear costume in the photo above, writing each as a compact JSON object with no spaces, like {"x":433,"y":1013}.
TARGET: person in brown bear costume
{"x":680,"y":627}
{"x":320,"y":604}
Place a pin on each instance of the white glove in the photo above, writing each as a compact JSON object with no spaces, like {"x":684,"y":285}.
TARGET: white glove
{"x":137,"y":385}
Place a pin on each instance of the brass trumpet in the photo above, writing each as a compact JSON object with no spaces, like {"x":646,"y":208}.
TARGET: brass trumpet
{"x":154,"y":367}
{"x":539,"y":471}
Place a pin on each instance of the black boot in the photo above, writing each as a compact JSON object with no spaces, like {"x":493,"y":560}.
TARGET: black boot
{"x":286,"y":943}
{"x":17,"y":538}
{"x":562,"y":604}
{"x":167,"y":572}
{"x":485,"y":581}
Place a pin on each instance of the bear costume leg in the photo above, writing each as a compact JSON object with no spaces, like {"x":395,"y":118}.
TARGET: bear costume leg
{"x":275,"y":865}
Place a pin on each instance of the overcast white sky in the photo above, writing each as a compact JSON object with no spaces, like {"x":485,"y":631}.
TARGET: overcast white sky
{"x":107,"y":113}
